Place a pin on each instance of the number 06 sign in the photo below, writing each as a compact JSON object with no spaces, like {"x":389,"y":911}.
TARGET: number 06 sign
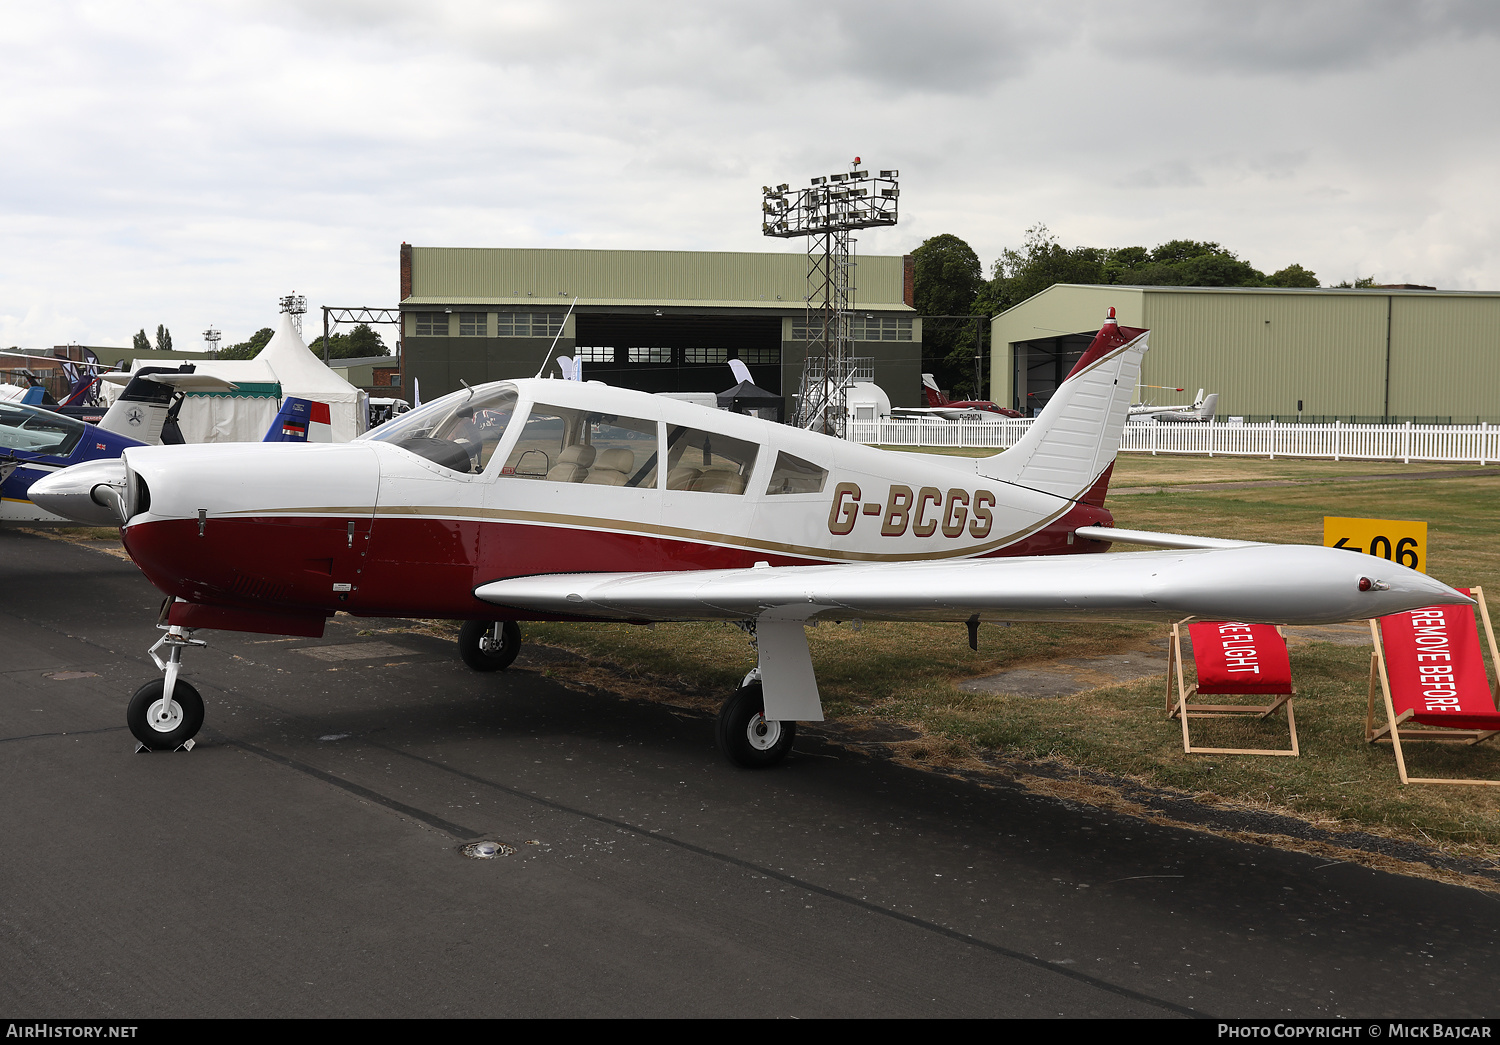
{"x":1402,"y":541}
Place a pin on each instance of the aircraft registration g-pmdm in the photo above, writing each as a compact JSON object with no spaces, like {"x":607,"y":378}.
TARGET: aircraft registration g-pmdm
{"x":567,"y":500}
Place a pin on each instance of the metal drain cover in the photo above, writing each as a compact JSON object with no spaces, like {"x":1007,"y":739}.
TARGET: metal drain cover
{"x":487,"y":850}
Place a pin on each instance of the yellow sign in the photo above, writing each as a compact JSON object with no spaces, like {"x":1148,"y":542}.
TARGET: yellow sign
{"x":1402,"y":541}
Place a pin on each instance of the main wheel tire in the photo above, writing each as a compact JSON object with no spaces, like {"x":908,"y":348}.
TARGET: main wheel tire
{"x":474,"y":637}
{"x":747,"y":736}
{"x":162,"y":726}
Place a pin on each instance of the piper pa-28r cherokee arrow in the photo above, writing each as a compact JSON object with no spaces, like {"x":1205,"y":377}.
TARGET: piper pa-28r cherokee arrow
{"x":565,"y":500}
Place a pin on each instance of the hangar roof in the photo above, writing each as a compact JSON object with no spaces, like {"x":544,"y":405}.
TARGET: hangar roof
{"x":699,"y":279}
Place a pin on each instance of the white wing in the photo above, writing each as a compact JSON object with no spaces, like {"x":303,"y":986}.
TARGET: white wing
{"x":1282,"y":584}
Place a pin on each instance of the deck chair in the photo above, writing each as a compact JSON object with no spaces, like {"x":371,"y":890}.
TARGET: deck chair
{"x":1232,"y":659}
{"x":1429,"y":666}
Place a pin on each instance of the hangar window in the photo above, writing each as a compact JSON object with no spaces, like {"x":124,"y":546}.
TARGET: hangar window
{"x":528,"y":324}
{"x":706,"y":355}
{"x":708,"y":462}
{"x":594,"y":354}
{"x":472,"y":324}
{"x":760,"y":355}
{"x":861,"y":328}
{"x":575,"y":446}
{"x":432,"y":324}
{"x":794,"y":475}
{"x":880,"y":328}
{"x":650,"y":354}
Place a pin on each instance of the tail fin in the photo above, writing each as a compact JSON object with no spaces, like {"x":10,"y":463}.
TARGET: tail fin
{"x":1072,"y":444}
{"x":932,"y":392}
{"x":141,"y":410}
{"x":301,"y":421}
{"x":1209,"y":407}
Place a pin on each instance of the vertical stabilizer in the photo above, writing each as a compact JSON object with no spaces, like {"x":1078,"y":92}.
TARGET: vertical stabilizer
{"x":1075,"y":439}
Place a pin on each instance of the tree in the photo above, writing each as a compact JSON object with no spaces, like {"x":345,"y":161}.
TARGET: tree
{"x":251,"y":348}
{"x":359,"y":342}
{"x":947,"y":278}
{"x":140,"y":343}
{"x":1293,"y":276}
{"x":1362,"y":283}
{"x":1042,"y":262}
{"x":163,"y":338}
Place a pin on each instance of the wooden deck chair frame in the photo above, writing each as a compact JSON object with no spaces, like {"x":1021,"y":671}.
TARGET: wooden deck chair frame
{"x":1393,"y":732}
{"x":1183,"y":708}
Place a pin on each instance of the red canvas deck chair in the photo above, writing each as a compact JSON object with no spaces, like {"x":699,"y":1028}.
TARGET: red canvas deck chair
{"x":1232,"y":659}
{"x":1429,"y":665}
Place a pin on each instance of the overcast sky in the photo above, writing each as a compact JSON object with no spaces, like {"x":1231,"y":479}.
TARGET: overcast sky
{"x":188,"y":163}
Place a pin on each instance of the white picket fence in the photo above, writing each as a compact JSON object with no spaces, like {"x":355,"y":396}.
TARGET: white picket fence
{"x":1471,"y":444}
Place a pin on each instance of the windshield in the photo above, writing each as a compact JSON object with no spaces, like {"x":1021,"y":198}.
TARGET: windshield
{"x":459,"y":431}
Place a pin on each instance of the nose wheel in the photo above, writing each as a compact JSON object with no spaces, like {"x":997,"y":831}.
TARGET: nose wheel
{"x":746,"y":735}
{"x":167,"y":713}
{"x":164,"y":723}
{"x":489,"y":645}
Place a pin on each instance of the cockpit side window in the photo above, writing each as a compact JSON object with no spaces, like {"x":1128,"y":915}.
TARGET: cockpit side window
{"x":459,"y":431}
{"x":565,"y":445}
{"x":794,"y":475}
{"x":707,"y":462}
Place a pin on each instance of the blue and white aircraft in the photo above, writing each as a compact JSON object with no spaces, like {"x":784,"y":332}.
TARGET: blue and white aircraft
{"x":35,"y":441}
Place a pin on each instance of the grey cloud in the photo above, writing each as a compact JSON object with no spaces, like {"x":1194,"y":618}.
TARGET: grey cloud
{"x":1285,"y":36}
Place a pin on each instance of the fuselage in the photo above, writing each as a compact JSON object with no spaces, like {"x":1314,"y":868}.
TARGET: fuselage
{"x":533,"y":477}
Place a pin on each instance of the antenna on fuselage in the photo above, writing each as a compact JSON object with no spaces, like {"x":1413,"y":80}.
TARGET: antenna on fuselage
{"x":561,"y":327}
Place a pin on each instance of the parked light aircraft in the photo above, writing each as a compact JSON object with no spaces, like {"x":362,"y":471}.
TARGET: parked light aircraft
{"x":1203,"y":408}
{"x":939,"y":405}
{"x":563,"y":500}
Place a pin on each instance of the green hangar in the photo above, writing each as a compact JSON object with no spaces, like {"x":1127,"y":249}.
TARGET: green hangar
{"x":658,"y":321}
{"x":1382,"y":354}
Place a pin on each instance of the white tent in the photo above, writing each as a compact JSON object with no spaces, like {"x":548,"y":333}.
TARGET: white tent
{"x":285,"y":367}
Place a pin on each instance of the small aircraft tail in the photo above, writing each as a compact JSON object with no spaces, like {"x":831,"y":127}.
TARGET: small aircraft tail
{"x":1071,"y":447}
{"x":1208,"y":407}
{"x":141,"y":411}
{"x":301,"y":421}
{"x":932,"y":392}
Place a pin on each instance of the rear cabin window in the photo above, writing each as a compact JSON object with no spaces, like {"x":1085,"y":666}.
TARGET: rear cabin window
{"x":575,"y":446}
{"x":707,"y":462}
{"x":794,"y":475}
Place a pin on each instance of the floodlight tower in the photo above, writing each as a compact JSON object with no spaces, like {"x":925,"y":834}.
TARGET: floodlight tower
{"x":826,"y":212}
{"x":296,"y":304}
{"x":212,"y":336}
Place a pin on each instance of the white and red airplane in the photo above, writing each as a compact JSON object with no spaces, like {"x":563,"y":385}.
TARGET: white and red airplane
{"x":939,"y":405}
{"x":565,"y":500}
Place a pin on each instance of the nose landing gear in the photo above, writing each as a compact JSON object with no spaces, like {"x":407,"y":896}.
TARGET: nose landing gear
{"x":165,"y":714}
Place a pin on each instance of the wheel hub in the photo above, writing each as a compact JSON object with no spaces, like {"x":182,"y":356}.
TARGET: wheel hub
{"x":763,"y":733}
{"x":165,"y":716}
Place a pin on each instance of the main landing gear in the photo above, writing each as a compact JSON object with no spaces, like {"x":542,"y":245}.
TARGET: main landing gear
{"x":165,"y":714}
{"x":744,"y":733}
{"x":489,"y":645}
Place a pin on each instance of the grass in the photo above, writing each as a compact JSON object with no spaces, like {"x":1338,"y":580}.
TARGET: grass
{"x":902,"y":675}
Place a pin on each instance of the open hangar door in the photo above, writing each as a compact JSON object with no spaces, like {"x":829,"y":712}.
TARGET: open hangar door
{"x":654,"y":353}
{"x":1042,"y":364}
